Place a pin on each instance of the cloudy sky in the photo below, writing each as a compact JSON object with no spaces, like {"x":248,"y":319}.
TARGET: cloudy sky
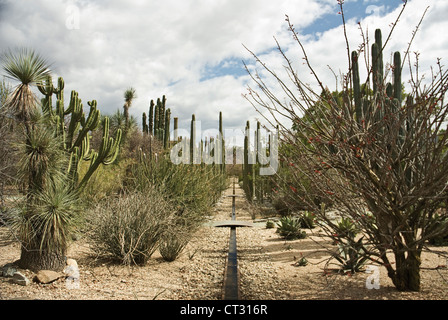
{"x":192,"y":50}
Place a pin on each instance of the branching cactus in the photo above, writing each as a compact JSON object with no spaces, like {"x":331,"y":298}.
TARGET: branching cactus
{"x":107,"y":153}
{"x":76,"y":135}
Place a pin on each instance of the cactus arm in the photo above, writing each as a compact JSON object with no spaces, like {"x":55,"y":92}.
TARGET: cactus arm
{"x":107,"y":152}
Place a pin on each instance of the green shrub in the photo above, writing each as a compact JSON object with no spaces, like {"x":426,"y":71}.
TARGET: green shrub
{"x":289,"y":228}
{"x":192,"y":187}
{"x":173,"y":242}
{"x":129,"y":227}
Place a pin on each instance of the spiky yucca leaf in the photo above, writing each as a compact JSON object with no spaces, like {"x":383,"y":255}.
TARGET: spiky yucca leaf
{"x":27,"y":67}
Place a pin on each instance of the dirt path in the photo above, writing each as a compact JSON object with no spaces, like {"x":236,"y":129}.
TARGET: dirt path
{"x":196,"y":275}
{"x":267,"y":266}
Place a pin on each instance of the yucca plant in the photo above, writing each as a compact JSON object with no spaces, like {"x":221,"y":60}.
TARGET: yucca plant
{"x":129,"y":96}
{"x":28,"y":68}
{"x":49,"y":212}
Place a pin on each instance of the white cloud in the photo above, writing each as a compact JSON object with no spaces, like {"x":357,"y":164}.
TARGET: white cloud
{"x":167,"y":47}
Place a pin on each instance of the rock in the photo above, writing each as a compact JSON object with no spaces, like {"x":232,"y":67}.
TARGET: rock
{"x":47,"y":276}
{"x":8,"y":270}
{"x":20,"y":279}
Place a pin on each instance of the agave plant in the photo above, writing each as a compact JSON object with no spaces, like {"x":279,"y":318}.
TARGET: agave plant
{"x":289,"y":228}
{"x":352,"y":256}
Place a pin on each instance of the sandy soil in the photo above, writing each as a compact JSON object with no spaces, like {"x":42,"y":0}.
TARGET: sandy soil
{"x":267,"y":264}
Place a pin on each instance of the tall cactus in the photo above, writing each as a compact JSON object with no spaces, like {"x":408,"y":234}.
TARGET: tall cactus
{"x":145,"y":127}
{"x":386,"y":100}
{"x":193,"y":139}
{"x":247,"y":166}
{"x":151,"y":118}
{"x":76,"y":135}
{"x":166,"y":140}
{"x":222,"y":145}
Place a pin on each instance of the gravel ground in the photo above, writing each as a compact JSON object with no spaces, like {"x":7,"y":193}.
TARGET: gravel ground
{"x":267,"y":266}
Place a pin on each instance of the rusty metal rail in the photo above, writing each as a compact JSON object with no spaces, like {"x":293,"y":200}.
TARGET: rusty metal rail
{"x":231,"y":289}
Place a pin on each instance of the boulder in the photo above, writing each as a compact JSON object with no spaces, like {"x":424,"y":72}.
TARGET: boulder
{"x":47,"y":276}
{"x":19,"y":278}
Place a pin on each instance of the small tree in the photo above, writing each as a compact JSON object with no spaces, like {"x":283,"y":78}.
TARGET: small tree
{"x":381,"y":161}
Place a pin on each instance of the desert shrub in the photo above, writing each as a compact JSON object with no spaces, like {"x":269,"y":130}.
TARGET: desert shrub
{"x":289,"y":228}
{"x":129,"y":227}
{"x":173,"y":242}
{"x":192,"y":187}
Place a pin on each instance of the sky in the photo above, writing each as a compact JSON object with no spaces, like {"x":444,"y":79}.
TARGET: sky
{"x":192,"y":51}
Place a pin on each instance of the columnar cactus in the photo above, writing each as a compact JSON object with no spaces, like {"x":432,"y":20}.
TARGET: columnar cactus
{"x":145,"y":127}
{"x":387,"y":100}
{"x":222,"y":145}
{"x":151,"y":117}
{"x":176,"y":127}
{"x":193,"y":139}
{"x":166,"y":135}
{"x":76,"y":135}
{"x":247,"y":166}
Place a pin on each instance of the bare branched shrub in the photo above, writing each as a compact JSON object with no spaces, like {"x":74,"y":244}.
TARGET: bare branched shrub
{"x":379,"y":159}
{"x":129,"y":227}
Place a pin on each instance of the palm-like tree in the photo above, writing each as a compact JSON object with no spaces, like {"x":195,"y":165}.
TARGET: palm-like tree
{"x":27,"y":67}
{"x":129,"y":96}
